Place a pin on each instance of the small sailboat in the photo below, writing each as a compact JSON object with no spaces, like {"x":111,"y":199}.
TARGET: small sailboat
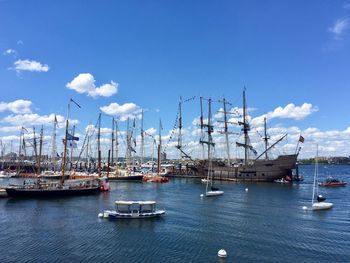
{"x":317,"y":199}
{"x":210,"y":191}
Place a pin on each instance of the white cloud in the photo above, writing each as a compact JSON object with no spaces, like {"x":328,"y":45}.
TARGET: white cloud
{"x":151,"y":131}
{"x":292,"y":112}
{"x":30,"y":65}
{"x":85,"y":83}
{"x":10,"y":52}
{"x":10,"y":129}
{"x":17,"y":106}
{"x":19,"y":42}
{"x":123,"y":112}
{"x":36,"y":119}
{"x":339,"y":27}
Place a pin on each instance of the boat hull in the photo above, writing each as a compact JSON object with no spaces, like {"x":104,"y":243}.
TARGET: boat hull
{"x":214,"y":193}
{"x":116,"y":215}
{"x":321,"y":206}
{"x":258,"y":171}
{"x":44,"y":193}
{"x":333,"y":184}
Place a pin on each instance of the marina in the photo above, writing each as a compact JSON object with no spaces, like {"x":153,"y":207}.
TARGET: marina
{"x":174,"y":131}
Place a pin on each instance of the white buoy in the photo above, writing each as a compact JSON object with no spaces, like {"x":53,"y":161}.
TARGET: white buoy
{"x":100,"y":215}
{"x":304,"y":208}
{"x":222,"y":253}
{"x":246,"y":189}
{"x":202,"y":195}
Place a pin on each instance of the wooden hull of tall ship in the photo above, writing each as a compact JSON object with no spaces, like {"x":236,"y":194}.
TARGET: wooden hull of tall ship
{"x":257,"y":171}
{"x":43,"y":193}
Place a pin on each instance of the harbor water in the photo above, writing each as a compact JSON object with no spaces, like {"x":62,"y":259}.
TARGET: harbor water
{"x":264,"y":224}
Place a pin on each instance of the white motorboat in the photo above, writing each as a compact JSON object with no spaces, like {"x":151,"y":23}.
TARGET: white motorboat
{"x":133,"y":210}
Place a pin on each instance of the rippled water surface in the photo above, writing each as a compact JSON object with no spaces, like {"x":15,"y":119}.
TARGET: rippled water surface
{"x":265,"y":224}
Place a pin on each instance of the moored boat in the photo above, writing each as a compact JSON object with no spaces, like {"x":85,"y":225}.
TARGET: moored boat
{"x":317,"y":199}
{"x":55,"y":189}
{"x":332,"y":182}
{"x":133,"y":210}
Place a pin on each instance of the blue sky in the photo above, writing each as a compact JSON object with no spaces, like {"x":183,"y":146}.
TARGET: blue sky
{"x":145,"y":54}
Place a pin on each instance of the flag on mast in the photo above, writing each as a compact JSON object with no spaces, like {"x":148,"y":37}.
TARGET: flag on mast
{"x":301,"y":139}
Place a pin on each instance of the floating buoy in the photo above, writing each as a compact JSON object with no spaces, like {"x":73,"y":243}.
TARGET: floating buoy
{"x":100,"y":215}
{"x":202,"y":195}
{"x":222,"y":253}
{"x":304,"y":208}
{"x":246,"y":189}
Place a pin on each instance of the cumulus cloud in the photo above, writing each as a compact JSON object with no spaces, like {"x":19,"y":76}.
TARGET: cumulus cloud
{"x":151,"y":131}
{"x":17,"y":106}
{"x":123,"y":112}
{"x":30,"y":65}
{"x":31,"y":119}
{"x":10,"y":129}
{"x":85,"y":83}
{"x":292,"y":112}
{"x":339,"y":27}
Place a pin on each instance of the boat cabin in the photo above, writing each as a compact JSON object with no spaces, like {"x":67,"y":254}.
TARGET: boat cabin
{"x":134,"y":207}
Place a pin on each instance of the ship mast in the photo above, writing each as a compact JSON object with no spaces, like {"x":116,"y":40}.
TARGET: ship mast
{"x":128,"y":144}
{"x":245,"y":129}
{"x":133,"y":141}
{"x":142,"y":139}
{"x":99,"y":145}
{"x":65,"y":146}
{"x":160,"y":142}
{"x":40,"y":148}
{"x":202,"y":125}
{"x":53,"y":143}
{"x":35,"y":148}
{"x":112,"y":142}
{"x":210,"y":130}
{"x":179,"y":142}
{"x":266,"y":138}
{"x":19,"y":151}
{"x":226,"y":132}
{"x":116,"y":147}
{"x":71,"y":144}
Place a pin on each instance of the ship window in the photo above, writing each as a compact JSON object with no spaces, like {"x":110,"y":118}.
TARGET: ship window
{"x":263,"y":174}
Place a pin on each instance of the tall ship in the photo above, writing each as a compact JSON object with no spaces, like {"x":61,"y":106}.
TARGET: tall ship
{"x":61,"y":188}
{"x":258,"y":169}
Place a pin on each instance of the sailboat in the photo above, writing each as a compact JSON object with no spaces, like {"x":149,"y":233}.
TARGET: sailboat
{"x":250,"y":169}
{"x":130,"y":172}
{"x":319,"y":203}
{"x":57,"y":188}
{"x":212,"y":191}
